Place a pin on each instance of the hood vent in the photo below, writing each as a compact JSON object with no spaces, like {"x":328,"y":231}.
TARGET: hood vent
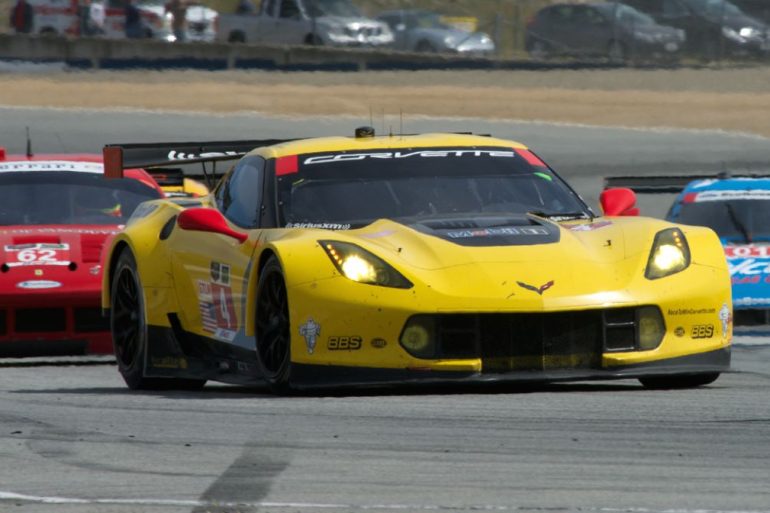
{"x":91,"y":247}
{"x":491,"y":231}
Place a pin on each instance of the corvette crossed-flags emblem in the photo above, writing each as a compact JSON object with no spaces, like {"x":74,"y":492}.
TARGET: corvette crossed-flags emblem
{"x":539,"y":289}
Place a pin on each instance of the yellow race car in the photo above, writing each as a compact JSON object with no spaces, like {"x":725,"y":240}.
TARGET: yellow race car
{"x":368,"y":260}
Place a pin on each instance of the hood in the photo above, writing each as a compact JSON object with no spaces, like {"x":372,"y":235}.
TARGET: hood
{"x":509,"y":255}
{"x":750,"y":274}
{"x":738,"y":22}
{"x":200,"y":13}
{"x":42,"y":260}
{"x":344,"y":21}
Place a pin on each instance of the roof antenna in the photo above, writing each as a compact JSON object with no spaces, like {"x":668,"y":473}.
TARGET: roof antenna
{"x":371,"y":116}
{"x":401,"y":127}
{"x":383,"y":120}
{"x":29,"y":145}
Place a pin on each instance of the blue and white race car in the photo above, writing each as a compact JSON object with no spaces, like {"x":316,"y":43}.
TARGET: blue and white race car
{"x":737,"y":208}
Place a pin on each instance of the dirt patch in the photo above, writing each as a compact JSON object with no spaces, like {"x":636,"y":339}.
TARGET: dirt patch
{"x":735,"y":99}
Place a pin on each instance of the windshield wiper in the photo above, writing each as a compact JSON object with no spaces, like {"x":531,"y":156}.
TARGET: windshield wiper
{"x":738,"y":223}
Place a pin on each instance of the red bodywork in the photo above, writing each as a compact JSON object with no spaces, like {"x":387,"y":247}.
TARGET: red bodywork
{"x":50,"y":280}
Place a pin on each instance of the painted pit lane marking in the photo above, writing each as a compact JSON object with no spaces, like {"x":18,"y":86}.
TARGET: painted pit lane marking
{"x":350,"y":507}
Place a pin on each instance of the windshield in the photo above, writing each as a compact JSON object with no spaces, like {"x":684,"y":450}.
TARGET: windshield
{"x":342,"y":8}
{"x":39,"y":198}
{"x":630,"y":16}
{"x":354,"y":189}
{"x":429,"y":20}
{"x":736,"y":221}
{"x":714,"y":8}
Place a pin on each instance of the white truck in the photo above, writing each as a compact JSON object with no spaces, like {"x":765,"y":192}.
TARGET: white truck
{"x":309,"y":22}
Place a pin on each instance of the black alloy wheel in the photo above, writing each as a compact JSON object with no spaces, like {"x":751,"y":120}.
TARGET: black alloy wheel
{"x":128,"y":324}
{"x":674,"y":382}
{"x":273,"y":328}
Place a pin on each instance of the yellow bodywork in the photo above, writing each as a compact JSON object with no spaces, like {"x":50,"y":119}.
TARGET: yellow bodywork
{"x":597,"y":263}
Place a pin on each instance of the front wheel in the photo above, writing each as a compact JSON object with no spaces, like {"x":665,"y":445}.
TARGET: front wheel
{"x":128,"y":324}
{"x":674,"y":382}
{"x":273,"y":330}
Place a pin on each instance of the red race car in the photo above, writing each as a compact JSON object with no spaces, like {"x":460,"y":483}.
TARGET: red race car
{"x":56,"y":211}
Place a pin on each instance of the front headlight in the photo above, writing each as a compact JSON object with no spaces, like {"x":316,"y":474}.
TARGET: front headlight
{"x":418,"y":337}
{"x":749,"y":32}
{"x":732,"y":35}
{"x":357,"y":264}
{"x":670,"y":254}
{"x":651,"y":327}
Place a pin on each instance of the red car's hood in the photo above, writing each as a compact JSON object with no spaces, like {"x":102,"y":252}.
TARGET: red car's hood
{"x":53,"y":259}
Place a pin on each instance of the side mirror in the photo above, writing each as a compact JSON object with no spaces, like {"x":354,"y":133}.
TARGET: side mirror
{"x":208,"y":220}
{"x":618,"y":202}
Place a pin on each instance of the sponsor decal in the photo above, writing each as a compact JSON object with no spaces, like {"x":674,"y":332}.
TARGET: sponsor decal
{"x":220,"y":273}
{"x":725,"y":317}
{"x":589,"y":227}
{"x":749,"y":301}
{"x":180,"y":155}
{"x":95,"y":270}
{"x":539,"y":290}
{"x":747,"y":251}
{"x":168,"y":362}
{"x":679,"y":331}
{"x":38,"y":284}
{"x":323,"y":226}
{"x":37,"y":254}
{"x":52,"y":165}
{"x":347,"y":157}
{"x":379,"y":343}
{"x":757,"y":269}
{"x":702,"y":331}
{"x":38,"y":272}
{"x":496,"y":232}
{"x":344,"y":343}
{"x":215,"y":303}
{"x":691,"y":311}
{"x":704,"y":196}
{"x":310,"y":330}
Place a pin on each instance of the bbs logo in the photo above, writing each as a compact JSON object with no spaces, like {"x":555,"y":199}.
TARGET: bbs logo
{"x":351,"y":343}
{"x":703,"y":331}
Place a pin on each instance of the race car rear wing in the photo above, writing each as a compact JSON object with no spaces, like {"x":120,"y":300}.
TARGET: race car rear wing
{"x":119,"y":157}
{"x":661,"y":184}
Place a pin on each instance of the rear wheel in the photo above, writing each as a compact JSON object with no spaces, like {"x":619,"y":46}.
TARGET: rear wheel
{"x":273,"y":328}
{"x":425,"y":47}
{"x":128,"y":324}
{"x":539,"y":50}
{"x":616,"y":52}
{"x":673,"y":382}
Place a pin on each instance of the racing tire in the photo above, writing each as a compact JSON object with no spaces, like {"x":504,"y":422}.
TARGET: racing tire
{"x":674,"y":382}
{"x":273,"y":329}
{"x":616,"y":52}
{"x":539,"y":50}
{"x":128,"y":325}
{"x":236,"y":37}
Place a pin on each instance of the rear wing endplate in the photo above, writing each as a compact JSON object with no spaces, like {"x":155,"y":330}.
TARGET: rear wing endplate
{"x":119,"y":157}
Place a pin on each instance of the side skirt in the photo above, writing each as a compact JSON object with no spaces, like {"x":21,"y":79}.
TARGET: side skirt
{"x":175,"y":353}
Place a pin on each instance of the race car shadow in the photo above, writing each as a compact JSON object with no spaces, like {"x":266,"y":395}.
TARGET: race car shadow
{"x":217,"y":391}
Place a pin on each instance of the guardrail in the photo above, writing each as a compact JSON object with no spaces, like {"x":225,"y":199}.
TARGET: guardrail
{"x":98,"y":53}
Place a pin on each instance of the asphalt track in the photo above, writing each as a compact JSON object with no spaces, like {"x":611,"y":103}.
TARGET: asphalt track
{"x":73,"y":439}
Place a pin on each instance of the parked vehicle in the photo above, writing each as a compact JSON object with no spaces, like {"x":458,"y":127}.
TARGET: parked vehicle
{"x":609,"y":29}
{"x":759,"y":9}
{"x":201,"y":21}
{"x":425,"y":31}
{"x":714,"y":27}
{"x":311,"y":22}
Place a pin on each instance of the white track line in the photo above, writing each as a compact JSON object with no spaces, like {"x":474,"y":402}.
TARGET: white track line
{"x":9,"y":496}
